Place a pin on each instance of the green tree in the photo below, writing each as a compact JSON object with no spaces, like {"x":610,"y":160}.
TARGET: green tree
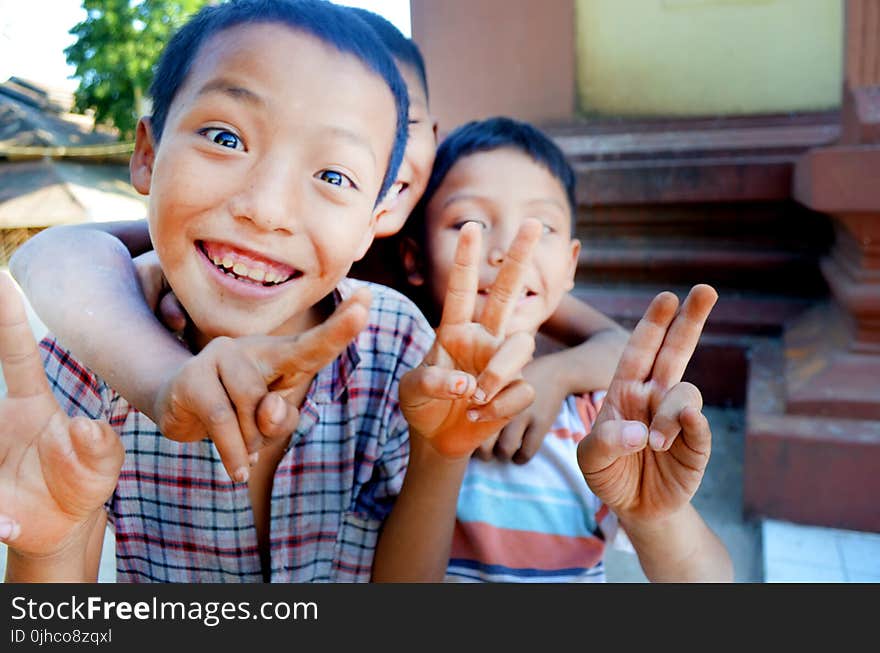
{"x":116,"y":48}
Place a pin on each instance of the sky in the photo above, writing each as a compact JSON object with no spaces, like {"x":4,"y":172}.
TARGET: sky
{"x":34,"y":33}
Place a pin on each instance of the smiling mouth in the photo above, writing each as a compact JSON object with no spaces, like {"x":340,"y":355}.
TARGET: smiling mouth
{"x":247,"y":267}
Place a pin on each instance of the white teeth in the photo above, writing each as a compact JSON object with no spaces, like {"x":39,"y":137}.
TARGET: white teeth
{"x":256,"y":275}
{"x":226,"y":262}
{"x":270,"y":277}
{"x":240,"y":269}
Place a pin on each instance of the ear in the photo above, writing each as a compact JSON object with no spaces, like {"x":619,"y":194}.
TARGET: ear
{"x":434,"y":124}
{"x":412,"y":258}
{"x":140,"y":165}
{"x":388,"y":221}
{"x":575,"y":253}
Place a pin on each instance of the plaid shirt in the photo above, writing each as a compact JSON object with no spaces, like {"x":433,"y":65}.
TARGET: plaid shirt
{"x":179,"y":518}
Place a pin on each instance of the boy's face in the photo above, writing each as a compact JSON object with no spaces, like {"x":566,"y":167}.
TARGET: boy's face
{"x":499,"y":190}
{"x":418,"y":158}
{"x":263,"y":185}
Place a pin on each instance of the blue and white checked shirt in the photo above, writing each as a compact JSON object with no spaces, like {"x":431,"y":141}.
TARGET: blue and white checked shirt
{"x":179,"y":518}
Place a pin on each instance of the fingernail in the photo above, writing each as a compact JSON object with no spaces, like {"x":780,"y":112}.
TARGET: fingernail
{"x":9,"y":529}
{"x":657,"y":440}
{"x":242,"y":474}
{"x":277,"y":411}
{"x":473,"y":416}
{"x":634,"y":434}
{"x":459,"y":385}
{"x":480,"y":396}
{"x":254,"y":457}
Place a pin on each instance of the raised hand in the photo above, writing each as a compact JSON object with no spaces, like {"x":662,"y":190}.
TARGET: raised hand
{"x":244,"y":393}
{"x":470,"y":384}
{"x":55,"y":472}
{"x":650,"y":444}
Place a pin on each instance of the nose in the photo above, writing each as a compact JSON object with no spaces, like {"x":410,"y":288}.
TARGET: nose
{"x":267,"y":198}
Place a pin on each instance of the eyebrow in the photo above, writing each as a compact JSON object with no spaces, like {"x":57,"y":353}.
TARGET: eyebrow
{"x":473,"y":197}
{"x":353,"y":138}
{"x":233,"y":90}
{"x":227,"y":87}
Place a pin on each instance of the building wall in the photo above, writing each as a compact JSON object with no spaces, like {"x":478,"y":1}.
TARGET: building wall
{"x":550,"y":61}
{"x":490,"y":57}
{"x":708,"y":57}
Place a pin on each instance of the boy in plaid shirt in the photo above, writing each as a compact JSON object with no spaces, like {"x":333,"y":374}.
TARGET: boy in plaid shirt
{"x":266,"y":159}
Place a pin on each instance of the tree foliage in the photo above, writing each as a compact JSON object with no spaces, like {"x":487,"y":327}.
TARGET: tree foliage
{"x":116,"y":48}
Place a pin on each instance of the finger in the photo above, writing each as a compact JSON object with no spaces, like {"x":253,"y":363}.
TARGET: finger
{"x":684,"y":334}
{"x":171,"y":313}
{"x":505,"y":365}
{"x":696,"y":437}
{"x":463,"y":283}
{"x":428,"y":383}
{"x":666,"y":424}
{"x":97,"y":445}
{"x":9,"y":528}
{"x":532,"y":440}
{"x":508,"y":285}
{"x":245,"y":387}
{"x":610,"y":440}
{"x":300,"y":358}
{"x":486,"y":450}
{"x":509,"y":441}
{"x":19,"y":356}
{"x":276,"y":418}
{"x":641,"y":349}
{"x":221,"y":423}
{"x":511,"y":401}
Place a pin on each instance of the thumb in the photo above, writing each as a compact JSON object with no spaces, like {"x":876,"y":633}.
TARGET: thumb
{"x":299,"y":358}
{"x":97,"y":446}
{"x":276,"y":417}
{"x":608,"y":441}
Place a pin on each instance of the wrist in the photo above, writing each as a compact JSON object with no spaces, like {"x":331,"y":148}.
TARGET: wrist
{"x":69,"y":562}
{"x":424,"y":454}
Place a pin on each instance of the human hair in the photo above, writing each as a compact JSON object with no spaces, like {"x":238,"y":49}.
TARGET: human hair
{"x":486,"y":136}
{"x":403,"y":49}
{"x":332,"y":24}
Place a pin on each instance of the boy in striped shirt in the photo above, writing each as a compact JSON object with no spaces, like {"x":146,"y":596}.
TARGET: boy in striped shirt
{"x":634,"y":458}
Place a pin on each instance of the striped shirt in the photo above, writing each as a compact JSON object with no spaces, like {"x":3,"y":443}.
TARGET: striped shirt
{"x":533,"y":523}
{"x":179,"y":518}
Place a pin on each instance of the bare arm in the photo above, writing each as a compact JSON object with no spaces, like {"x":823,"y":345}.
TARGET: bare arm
{"x":575,"y":321}
{"x":77,"y":563}
{"x":134,"y":234}
{"x":680,"y":549}
{"x":416,"y":538}
{"x":83,"y":285}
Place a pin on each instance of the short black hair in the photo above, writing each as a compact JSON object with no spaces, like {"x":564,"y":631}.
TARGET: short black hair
{"x":486,"y":136}
{"x":401,"y":48}
{"x":332,"y":24}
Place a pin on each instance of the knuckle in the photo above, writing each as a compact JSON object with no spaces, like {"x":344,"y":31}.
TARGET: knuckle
{"x":218,"y":414}
{"x":490,"y":379}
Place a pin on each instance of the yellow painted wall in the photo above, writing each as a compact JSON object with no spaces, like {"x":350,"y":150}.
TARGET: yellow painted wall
{"x":708,"y":57}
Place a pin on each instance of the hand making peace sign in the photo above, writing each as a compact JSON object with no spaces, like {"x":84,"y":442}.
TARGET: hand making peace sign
{"x":244,"y":393}
{"x":637,"y":475}
{"x":55,"y":472}
{"x":470,"y":383}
